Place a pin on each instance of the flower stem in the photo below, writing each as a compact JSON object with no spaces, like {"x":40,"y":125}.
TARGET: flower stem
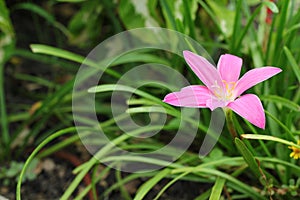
{"x":230,"y":124}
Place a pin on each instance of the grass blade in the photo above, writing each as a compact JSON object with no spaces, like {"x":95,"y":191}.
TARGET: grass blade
{"x":293,"y":62}
{"x":282,"y":101}
{"x":60,"y":53}
{"x":168,"y":13}
{"x":146,"y":187}
{"x":241,"y":186}
{"x":217,"y":189}
{"x":270,"y":138}
{"x":237,"y":22}
{"x":35,"y":152}
{"x":6,"y":48}
{"x":169,"y":184}
{"x":248,"y":157}
{"x":33,"y":8}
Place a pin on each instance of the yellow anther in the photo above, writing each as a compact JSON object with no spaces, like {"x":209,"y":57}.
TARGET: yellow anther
{"x":229,"y":86}
{"x":227,"y":94}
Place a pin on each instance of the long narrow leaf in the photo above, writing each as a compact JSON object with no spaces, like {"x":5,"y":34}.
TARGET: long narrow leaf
{"x":249,"y":158}
{"x":270,"y":138}
{"x":217,"y":189}
{"x":282,"y":101}
{"x":293,"y":62}
{"x":146,"y":187}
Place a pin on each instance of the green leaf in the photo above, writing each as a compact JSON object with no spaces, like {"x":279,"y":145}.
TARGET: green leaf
{"x":213,"y":17}
{"x":279,"y":33}
{"x":190,"y":8}
{"x":85,"y":25}
{"x":217,"y":189}
{"x":136,"y":14}
{"x":118,"y":87}
{"x":140,"y":57}
{"x":53,"y":51}
{"x":33,"y":8}
{"x":146,"y":187}
{"x":282,"y":101}
{"x":7,"y":44}
{"x":60,"y":53}
{"x":241,"y":186}
{"x":169,"y":184}
{"x":204,"y":195}
{"x":5,"y":23}
{"x":292,"y":28}
{"x":168,"y":14}
{"x":34,"y":153}
{"x":270,"y":138}
{"x":224,"y":15}
{"x":84,"y":168}
{"x":293,"y":62}
{"x":237,"y":24}
{"x":288,"y":131}
{"x":180,"y":15}
{"x":248,"y":157}
{"x":247,"y":27}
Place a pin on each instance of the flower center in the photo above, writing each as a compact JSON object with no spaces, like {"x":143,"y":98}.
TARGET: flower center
{"x":228,"y":93}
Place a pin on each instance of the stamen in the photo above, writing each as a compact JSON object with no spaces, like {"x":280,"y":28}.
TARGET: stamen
{"x":218,"y":90}
{"x":228,"y":93}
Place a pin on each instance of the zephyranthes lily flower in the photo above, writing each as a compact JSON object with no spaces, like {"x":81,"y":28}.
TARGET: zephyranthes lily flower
{"x":223,"y":87}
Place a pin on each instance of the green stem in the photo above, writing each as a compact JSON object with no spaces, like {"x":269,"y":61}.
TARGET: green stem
{"x":230,"y":124}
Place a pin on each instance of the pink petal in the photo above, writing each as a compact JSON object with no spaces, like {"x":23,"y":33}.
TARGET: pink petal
{"x":190,"y":96}
{"x":229,"y":67}
{"x":215,"y":102}
{"x":254,"y":77}
{"x":250,"y":107}
{"x":206,"y":72}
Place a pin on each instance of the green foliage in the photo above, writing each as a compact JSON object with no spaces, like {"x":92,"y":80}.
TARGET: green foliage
{"x":252,"y":163}
{"x":263,"y":33}
{"x":85,"y":25}
{"x":217,"y":189}
{"x":144,"y":189}
{"x":137,"y":13}
{"x":6,"y":49}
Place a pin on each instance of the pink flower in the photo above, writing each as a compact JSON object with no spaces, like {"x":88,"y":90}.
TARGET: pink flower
{"x":223,"y":87}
